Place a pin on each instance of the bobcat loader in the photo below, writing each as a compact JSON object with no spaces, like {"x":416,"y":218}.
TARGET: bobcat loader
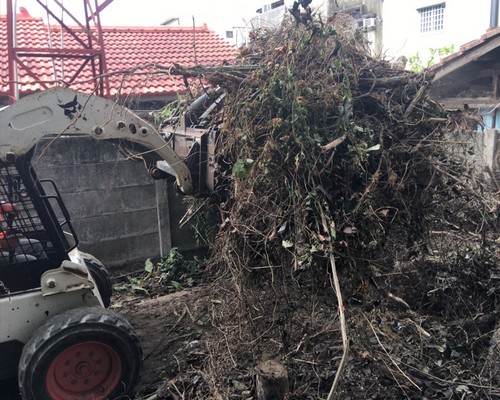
{"x":56,"y":333}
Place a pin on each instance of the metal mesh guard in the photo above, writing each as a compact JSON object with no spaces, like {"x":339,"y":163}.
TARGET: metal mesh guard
{"x":22,"y":235}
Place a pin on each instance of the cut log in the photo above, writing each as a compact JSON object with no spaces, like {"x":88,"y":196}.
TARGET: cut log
{"x":271,"y":381}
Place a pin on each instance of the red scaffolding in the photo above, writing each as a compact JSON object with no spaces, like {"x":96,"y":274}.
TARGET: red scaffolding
{"x":87,"y":47}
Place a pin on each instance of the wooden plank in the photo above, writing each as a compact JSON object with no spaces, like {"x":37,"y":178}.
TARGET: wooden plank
{"x":458,"y":102}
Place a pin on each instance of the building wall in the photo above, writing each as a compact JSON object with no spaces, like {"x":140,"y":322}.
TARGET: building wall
{"x":489,"y":149}
{"x":489,"y":139}
{"x":360,"y":10}
{"x":463,"y":21}
{"x":120,"y":214}
{"x":397,"y":30}
{"x":273,"y":17}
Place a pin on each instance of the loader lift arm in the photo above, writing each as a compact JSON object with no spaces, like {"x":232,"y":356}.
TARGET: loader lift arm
{"x":65,"y":112}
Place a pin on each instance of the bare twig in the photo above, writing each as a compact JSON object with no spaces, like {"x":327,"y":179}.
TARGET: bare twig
{"x":343,"y":327}
{"x":399,"y":300}
{"x":333,"y":144}
{"x":167,"y":334}
{"x":388,"y":355}
{"x":420,"y":94}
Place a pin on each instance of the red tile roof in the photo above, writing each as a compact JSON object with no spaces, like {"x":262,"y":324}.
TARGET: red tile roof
{"x":127,"y":48}
{"x":469,"y":46}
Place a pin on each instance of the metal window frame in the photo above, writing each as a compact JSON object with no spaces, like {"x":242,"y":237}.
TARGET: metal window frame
{"x":432,"y":18}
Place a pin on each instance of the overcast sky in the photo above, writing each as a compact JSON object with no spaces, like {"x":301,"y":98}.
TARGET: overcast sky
{"x":219,"y":15}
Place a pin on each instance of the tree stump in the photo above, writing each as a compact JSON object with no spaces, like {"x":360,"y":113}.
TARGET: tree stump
{"x":271,"y":381}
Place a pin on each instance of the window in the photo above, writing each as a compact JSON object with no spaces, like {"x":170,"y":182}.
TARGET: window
{"x":269,"y":7}
{"x":277,"y":4}
{"x":432,"y":18}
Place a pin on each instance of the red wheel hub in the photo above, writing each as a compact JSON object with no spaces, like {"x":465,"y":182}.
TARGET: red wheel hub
{"x":84,"y":371}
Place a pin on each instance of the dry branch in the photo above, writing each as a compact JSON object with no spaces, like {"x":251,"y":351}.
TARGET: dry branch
{"x":343,"y":327}
{"x":333,"y":144}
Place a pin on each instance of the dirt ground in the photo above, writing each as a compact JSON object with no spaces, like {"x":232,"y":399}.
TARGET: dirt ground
{"x":170,"y":328}
{"x":420,"y":331}
{"x":416,"y":331}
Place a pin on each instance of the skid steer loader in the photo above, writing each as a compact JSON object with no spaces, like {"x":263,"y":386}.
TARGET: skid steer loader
{"x":56,"y":333}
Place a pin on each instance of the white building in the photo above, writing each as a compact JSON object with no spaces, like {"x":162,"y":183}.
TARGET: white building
{"x":271,"y":14}
{"x":415,"y":26}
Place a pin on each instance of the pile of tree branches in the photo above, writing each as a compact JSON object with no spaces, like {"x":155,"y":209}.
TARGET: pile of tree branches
{"x":334,"y":160}
{"x":332,"y":150}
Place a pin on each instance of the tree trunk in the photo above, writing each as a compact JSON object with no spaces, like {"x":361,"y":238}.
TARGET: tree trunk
{"x":271,"y":381}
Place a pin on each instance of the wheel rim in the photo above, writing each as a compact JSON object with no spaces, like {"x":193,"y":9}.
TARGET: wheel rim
{"x":88,"y":370}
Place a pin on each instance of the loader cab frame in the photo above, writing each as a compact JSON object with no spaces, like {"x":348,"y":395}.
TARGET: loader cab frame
{"x":41,"y":218}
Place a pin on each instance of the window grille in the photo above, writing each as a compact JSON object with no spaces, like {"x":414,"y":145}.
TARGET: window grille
{"x":432,"y":18}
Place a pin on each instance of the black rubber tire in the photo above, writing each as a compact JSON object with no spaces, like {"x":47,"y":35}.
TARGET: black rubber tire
{"x":93,"y":325}
{"x":101,"y":277}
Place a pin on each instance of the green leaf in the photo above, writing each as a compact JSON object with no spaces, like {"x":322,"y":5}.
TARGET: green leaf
{"x":139,"y":290}
{"x":242,"y":168}
{"x":239,"y":385}
{"x":122,"y":288}
{"x":148,"y":266}
{"x":439,"y":348}
{"x":463,"y":389}
{"x":373,"y":148}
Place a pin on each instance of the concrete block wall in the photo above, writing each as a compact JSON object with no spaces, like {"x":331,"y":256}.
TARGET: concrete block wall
{"x":119,"y":213}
